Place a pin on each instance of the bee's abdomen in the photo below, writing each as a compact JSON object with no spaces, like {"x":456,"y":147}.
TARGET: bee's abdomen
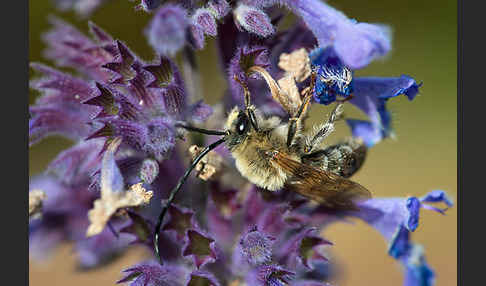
{"x":343,"y":159}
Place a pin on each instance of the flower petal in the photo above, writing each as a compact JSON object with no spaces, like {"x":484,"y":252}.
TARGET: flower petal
{"x":68,"y":47}
{"x":370,"y":95}
{"x":356,"y":44}
{"x":202,"y":278}
{"x":180,"y":220}
{"x":303,"y":247}
{"x":387,"y":215}
{"x":201,"y":247}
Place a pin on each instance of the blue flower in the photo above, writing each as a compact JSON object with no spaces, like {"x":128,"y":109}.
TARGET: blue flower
{"x":333,"y":78}
{"x":370,"y":94}
{"x":395,"y":219}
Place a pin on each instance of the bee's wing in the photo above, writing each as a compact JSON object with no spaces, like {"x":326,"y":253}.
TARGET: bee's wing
{"x":319,"y":185}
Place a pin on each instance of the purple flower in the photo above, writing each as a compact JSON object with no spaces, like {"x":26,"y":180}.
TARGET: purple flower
{"x":151,"y":273}
{"x":334,"y":79}
{"x":257,"y":247}
{"x":167,"y":30}
{"x":136,"y":101}
{"x":371,"y":95}
{"x":59,"y":110}
{"x":64,"y":210}
{"x":68,"y":47}
{"x":356,"y":44}
{"x":124,"y":114}
{"x":388,"y":214}
{"x":395,"y":219}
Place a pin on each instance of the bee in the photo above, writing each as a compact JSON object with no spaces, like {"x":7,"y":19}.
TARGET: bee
{"x":278,"y":155}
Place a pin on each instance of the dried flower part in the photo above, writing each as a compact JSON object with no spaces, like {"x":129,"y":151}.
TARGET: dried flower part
{"x":35,"y":202}
{"x":113,"y":197}
{"x":287,"y":94}
{"x":290,"y":93}
{"x":296,"y":63}
{"x":107,"y":206}
{"x":209,"y":166}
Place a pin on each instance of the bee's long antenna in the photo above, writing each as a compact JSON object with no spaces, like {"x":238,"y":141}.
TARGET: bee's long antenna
{"x":200,"y":130}
{"x":176,"y":189}
{"x":249,"y":110}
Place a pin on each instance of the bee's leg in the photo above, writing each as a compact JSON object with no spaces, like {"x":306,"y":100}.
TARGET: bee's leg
{"x":302,"y":112}
{"x":174,"y":192}
{"x":343,"y":159}
{"x":320,"y":133}
{"x":248,"y":106}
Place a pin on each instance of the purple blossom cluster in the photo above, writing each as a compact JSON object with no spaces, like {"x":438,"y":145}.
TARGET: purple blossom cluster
{"x":123,"y":113}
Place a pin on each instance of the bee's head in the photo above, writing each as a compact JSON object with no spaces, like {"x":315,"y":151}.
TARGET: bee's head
{"x":238,"y":125}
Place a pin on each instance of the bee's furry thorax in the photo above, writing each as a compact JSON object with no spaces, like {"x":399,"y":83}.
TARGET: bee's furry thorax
{"x":250,"y":148}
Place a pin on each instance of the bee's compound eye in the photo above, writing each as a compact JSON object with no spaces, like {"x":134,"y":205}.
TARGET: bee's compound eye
{"x":242,"y":124}
{"x":241,"y":128}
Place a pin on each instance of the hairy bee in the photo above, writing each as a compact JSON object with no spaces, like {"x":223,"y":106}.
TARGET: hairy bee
{"x":275,"y":155}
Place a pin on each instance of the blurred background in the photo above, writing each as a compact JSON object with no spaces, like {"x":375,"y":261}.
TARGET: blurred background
{"x":422,"y":158}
